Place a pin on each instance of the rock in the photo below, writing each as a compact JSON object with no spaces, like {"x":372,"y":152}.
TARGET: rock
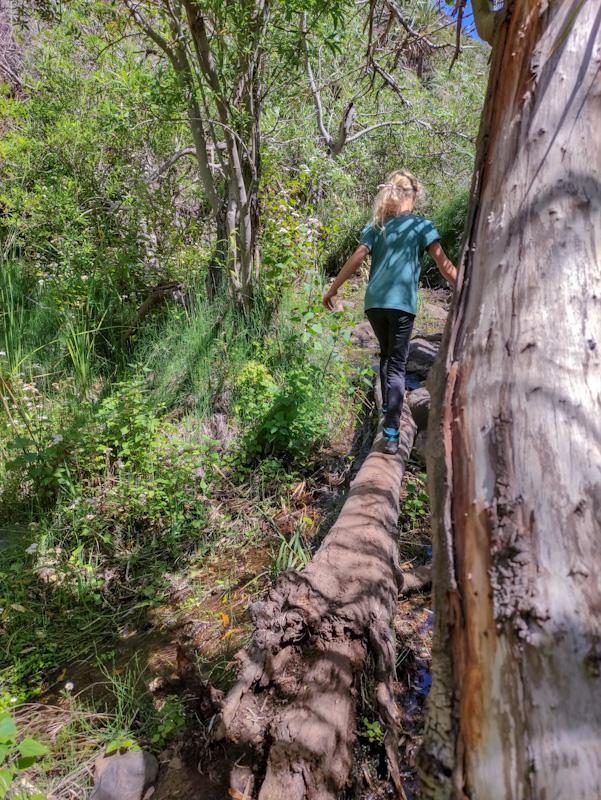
{"x":363,"y":336}
{"x":422,"y":352}
{"x":125,"y":776}
{"x":419,"y":403}
{"x":420,"y":447}
{"x":434,"y":312}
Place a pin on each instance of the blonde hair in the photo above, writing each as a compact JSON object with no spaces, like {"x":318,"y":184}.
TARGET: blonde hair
{"x":399,"y":187}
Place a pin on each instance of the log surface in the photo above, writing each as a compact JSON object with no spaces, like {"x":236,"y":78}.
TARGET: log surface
{"x":292,"y":710}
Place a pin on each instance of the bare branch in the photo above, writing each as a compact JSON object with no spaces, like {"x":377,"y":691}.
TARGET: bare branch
{"x":185,"y":151}
{"x":392,"y":4}
{"x":460,"y":10}
{"x":313,"y":85}
{"x":346,"y":123}
{"x":370,"y":128}
{"x":152,"y":34}
{"x":391,"y":81}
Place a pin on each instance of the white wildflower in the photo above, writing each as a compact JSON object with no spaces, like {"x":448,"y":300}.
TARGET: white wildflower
{"x":32,"y":548}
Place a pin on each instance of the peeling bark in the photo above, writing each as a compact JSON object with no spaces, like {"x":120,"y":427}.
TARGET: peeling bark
{"x":514,"y":711}
{"x":292,"y":710}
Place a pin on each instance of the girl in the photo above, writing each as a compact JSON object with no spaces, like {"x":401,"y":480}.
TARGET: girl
{"x":396,"y":239}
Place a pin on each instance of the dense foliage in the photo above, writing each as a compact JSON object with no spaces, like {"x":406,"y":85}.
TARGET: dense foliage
{"x":120,"y":428}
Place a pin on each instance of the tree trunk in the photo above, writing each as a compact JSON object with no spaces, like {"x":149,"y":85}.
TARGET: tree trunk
{"x":292,"y":711}
{"x":237,"y":252}
{"x":515,"y":707}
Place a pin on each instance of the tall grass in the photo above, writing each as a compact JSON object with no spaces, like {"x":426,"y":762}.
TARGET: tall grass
{"x":12,"y":316}
{"x":79,"y":340}
{"x":193,"y":356}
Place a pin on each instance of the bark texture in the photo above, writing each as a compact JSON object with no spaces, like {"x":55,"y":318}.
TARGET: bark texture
{"x":292,"y":711}
{"x":515,"y":707}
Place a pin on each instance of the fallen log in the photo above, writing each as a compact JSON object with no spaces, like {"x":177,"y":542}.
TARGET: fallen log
{"x":292,"y":710}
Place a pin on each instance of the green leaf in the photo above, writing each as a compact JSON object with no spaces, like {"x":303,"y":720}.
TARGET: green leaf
{"x":25,"y":763}
{"x":8,"y":729}
{"x":21,"y":442}
{"x":119,"y":744}
{"x":6,"y":778}
{"x":30,"y":748}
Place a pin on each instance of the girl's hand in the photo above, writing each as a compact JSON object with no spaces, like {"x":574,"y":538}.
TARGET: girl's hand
{"x":328,"y":299}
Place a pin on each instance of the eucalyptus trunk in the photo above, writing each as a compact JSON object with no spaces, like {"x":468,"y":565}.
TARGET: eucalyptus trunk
{"x":515,"y":707}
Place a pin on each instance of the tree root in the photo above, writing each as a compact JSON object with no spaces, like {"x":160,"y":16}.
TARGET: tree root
{"x":292,"y":710}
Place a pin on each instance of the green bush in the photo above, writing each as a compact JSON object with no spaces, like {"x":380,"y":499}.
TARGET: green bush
{"x":296,"y":421}
{"x":342,"y":240}
{"x":450,"y":222}
{"x":118,"y":477}
{"x":255,"y":389}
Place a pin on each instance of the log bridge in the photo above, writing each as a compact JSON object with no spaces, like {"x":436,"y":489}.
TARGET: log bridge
{"x":291,"y":714}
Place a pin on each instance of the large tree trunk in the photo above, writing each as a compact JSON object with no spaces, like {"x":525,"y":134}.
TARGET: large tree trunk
{"x":292,"y":711}
{"x":515,"y":708}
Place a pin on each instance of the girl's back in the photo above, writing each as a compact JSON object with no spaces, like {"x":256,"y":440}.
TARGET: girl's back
{"x":396,"y":257}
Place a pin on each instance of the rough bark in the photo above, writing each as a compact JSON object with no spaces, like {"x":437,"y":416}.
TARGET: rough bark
{"x":292,"y":711}
{"x":514,"y":710}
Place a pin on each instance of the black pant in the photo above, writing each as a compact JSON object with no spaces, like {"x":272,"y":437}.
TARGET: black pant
{"x":393,"y":329}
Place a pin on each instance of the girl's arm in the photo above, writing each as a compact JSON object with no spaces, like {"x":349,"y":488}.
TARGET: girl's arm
{"x":444,"y":264}
{"x":351,"y":266}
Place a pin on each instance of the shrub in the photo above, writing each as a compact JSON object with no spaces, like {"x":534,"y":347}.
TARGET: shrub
{"x":118,"y":478}
{"x":450,"y":222}
{"x":294,"y":423}
{"x":342,"y":240}
{"x":255,"y":389}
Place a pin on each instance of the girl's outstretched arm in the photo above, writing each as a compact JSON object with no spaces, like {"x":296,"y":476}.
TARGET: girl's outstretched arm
{"x":351,"y":266}
{"x":443,"y":262}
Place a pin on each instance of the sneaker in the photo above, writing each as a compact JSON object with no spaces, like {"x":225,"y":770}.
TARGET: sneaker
{"x":391,"y":443}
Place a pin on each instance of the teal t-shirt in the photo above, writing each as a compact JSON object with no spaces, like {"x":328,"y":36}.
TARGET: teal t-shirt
{"x":396,"y":260}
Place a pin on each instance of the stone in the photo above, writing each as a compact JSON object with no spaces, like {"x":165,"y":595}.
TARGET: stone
{"x":422,"y":352}
{"x":420,"y":447}
{"x":419,"y":404}
{"x":435,"y":312}
{"x":125,"y":776}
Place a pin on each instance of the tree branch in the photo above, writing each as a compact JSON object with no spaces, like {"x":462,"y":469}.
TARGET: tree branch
{"x":411,"y":31}
{"x":185,"y":151}
{"x":156,"y":37}
{"x":370,"y":128}
{"x":313,"y":85}
{"x":460,"y":9}
{"x":390,"y":81}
